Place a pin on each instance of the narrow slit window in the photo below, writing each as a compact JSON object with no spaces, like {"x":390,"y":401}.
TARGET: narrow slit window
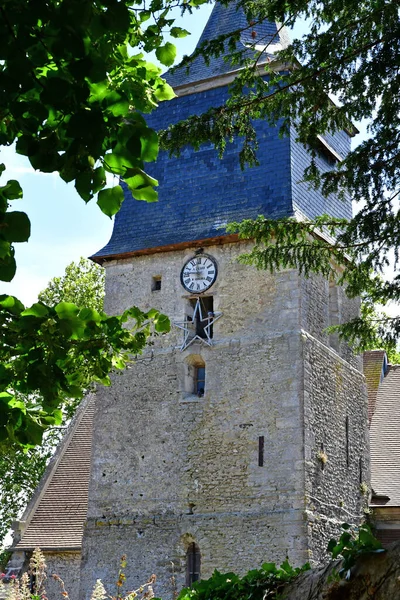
{"x":156,"y":283}
{"x":347,"y":442}
{"x":193,"y":564}
{"x":261,"y":451}
{"x":200,"y":381}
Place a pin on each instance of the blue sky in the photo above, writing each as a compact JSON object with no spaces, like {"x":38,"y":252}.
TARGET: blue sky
{"x":63,"y":226}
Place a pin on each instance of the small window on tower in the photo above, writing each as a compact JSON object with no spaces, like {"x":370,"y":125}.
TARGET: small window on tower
{"x":200,"y":381}
{"x":156,"y":283}
{"x":193,"y":564}
{"x":194,"y":384}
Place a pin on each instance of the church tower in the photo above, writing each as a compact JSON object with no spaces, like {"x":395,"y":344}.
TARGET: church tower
{"x":241,"y":436}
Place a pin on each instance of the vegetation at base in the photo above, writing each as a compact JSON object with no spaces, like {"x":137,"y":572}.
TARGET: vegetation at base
{"x":257,"y":584}
{"x":353,"y":543}
{"x":264,"y":583}
{"x":5,"y":556}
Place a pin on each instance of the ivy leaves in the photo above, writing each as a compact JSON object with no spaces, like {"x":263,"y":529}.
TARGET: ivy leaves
{"x":353,"y":543}
{"x":53,"y":353}
{"x":257,"y":584}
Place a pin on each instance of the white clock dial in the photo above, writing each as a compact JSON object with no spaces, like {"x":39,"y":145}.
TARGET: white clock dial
{"x":198,"y":274}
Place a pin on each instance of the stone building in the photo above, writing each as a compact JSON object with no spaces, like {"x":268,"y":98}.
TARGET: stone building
{"x":241,"y":436}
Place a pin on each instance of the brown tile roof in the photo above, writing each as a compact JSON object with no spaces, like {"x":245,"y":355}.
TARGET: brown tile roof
{"x":385,"y":439}
{"x":374,"y":367}
{"x":387,"y":536}
{"x":55,"y":517}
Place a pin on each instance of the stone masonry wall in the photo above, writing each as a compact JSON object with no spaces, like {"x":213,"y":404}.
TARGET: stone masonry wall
{"x":336,"y":444}
{"x":170,"y":468}
{"x":324,"y":303}
{"x":67,"y":566}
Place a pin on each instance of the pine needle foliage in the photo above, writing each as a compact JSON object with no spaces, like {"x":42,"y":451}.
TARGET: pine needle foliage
{"x":351,"y":52}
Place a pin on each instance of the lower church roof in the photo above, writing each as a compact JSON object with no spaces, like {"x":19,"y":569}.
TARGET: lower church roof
{"x":56,"y":515}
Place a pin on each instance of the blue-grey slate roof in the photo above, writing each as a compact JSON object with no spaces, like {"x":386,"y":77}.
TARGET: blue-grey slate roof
{"x":200,"y":193}
{"x":224,"y":20}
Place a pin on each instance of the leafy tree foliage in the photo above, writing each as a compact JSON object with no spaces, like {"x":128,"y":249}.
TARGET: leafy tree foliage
{"x":351,"y":51}
{"x":70,"y":96}
{"x":82,"y":284}
{"x":53,"y":353}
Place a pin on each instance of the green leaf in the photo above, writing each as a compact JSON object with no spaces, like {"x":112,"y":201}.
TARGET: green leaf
{"x":83,"y":185}
{"x":5,"y":397}
{"x":164,"y":92}
{"x":16,"y":227}
{"x":66,"y":310}
{"x":149,"y":143}
{"x":4,"y":248}
{"x":110,"y":200}
{"x":11,"y":304}
{"x":32,"y":434}
{"x":166,"y":54}
{"x":120,"y":108}
{"x":148,"y":194}
{"x":12,"y":191}
{"x":178,"y":32}
{"x":99,"y":179}
{"x":8,"y":268}
{"x":138,"y":178}
{"x":120,"y":160}
{"x":162,"y":324}
{"x":36,"y":310}
{"x":89,"y":314}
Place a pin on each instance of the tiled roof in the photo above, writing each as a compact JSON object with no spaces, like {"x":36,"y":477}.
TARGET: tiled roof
{"x":387,"y":536}
{"x":224,"y":20}
{"x":374,"y":366}
{"x":56,"y":516}
{"x":385,"y":438}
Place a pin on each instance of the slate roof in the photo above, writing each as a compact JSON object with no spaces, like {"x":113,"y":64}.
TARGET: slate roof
{"x":56,"y":515}
{"x":199,"y":193}
{"x":385,"y":439}
{"x":224,"y":20}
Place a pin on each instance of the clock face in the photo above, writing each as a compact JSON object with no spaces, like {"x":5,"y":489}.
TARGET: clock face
{"x":198,"y":274}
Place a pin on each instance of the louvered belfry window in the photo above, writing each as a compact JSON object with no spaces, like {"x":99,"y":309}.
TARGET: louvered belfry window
{"x":193,"y":563}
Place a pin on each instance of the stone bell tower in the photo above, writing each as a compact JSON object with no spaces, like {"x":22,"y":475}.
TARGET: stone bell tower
{"x":241,"y":436}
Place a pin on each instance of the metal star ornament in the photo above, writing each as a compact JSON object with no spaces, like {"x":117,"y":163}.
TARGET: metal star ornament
{"x":189,"y":327}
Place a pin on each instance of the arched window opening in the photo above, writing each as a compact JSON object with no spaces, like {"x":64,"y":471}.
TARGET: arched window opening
{"x":195,"y":376}
{"x":193,"y":564}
